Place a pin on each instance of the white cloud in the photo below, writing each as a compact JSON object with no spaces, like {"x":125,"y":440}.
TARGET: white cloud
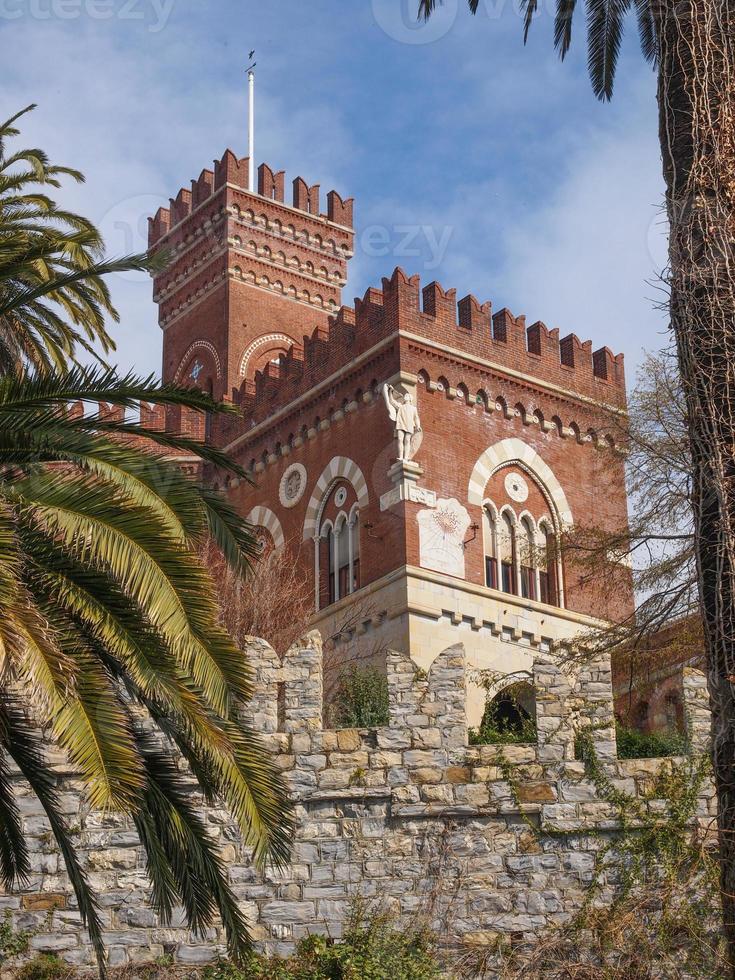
{"x":141,"y":113}
{"x":585,"y":258}
{"x":131,"y":114}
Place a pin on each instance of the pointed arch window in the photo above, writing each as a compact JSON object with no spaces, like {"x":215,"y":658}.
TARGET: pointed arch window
{"x":548,"y":587}
{"x":489,"y":535}
{"x":527,"y":559}
{"x":507,"y":554}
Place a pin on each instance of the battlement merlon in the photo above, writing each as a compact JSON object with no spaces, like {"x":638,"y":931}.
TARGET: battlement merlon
{"x":175,"y":420}
{"x":427,"y":710}
{"x":434,"y":315}
{"x":231,"y":170}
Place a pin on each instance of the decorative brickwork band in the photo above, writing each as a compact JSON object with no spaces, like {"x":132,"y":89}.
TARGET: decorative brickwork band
{"x":198,"y":345}
{"x":274,"y":341}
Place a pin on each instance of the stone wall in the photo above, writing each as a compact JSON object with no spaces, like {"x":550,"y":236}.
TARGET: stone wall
{"x":409,"y":815}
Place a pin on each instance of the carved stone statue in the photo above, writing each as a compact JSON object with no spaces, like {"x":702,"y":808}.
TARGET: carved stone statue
{"x":405,"y":415}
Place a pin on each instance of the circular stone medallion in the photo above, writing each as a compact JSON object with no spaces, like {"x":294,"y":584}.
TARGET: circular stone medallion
{"x":516,"y":487}
{"x":292,"y":486}
{"x":340,"y":496}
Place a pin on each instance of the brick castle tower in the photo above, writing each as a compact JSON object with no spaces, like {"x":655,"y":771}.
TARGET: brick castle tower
{"x":250,"y":267}
{"x":461,"y":542}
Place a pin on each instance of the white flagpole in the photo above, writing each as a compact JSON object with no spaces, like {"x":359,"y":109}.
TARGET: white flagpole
{"x":251,"y":130}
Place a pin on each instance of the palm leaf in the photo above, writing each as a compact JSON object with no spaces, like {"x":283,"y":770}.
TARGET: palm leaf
{"x":182,"y":856}
{"x":647,"y":30}
{"x":604,"y":34}
{"x":563,"y":26}
{"x":111,"y":532}
{"x":25,"y":747}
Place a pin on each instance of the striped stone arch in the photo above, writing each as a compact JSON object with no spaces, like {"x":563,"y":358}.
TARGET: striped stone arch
{"x":263,"y":517}
{"x":510,"y":451}
{"x":338,"y":468}
{"x":198,"y":345}
{"x":281,"y":339}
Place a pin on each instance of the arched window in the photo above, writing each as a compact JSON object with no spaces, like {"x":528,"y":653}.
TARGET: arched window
{"x":506,"y":554}
{"x":547,"y":559}
{"x":328,"y":584}
{"x":355,"y":542}
{"x":510,"y":716}
{"x":489,"y":534}
{"x":527,"y":559}
{"x":343,"y":559}
{"x":337,"y":564}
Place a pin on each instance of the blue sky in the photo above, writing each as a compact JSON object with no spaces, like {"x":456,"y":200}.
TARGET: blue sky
{"x":472,"y":160}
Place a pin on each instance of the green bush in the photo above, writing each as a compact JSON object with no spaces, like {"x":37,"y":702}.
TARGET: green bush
{"x":361,"y":700}
{"x":654,"y":745}
{"x":13,"y":941}
{"x":45,"y":966}
{"x":372,"y":949}
{"x":496,"y":729}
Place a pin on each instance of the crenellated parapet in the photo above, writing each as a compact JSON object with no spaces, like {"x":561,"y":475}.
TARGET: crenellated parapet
{"x":433,"y":316}
{"x":232,"y":171}
{"x":172,"y":419}
{"x":426,"y":739}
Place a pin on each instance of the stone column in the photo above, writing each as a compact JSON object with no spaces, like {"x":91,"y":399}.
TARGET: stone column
{"x":554,"y":712}
{"x":303,"y":678}
{"x":697,"y":715}
{"x":594,"y":688}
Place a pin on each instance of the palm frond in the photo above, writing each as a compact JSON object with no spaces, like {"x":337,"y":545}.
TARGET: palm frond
{"x":109,"y":531}
{"x":181,"y":855}
{"x":106,"y":610}
{"x":51,"y":258}
{"x":23,"y":743}
{"x":15,"y":865}
{"x":94,"y":727}
{"x":563,"y":26}
{"x":605,"y":19}
{"x":647,"y":30}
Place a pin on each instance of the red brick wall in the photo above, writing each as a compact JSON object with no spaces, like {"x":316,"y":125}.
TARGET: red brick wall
{"x":220,"y":238}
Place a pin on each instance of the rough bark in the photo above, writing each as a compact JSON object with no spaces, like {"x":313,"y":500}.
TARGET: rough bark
{"x":696,"y":42}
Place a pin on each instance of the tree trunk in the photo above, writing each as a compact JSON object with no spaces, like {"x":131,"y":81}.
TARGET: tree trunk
{"x":696,"y":94}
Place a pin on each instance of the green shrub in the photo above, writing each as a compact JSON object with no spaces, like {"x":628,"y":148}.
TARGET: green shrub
{"x":12,"y":941}
{"x":45,"y":966}
{"x":361,"y":700}
{"x":496,"y":729}
{"x":373,"y":948}
{"x":654,"y":745}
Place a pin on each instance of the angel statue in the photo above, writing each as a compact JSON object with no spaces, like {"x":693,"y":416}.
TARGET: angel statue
{"x":405,"y":415}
